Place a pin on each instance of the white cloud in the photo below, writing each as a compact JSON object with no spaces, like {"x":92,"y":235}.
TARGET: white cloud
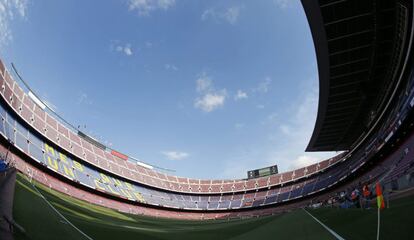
{"x":283,"y":4}
{"x":240,"y":95}
{"x":203,"y":83}
{"x":239,"y":126}
{"x":122,"y":48}
{"x":8,"y":10}
{"x":208,"y":13}
{"x":128,"y":50}
{"x":171,"y":67}
{"x":175,"y":155}
{"x":303,"y":161}
{"x":296,"y":128}
{"x":230,"y":15}
{"x":263,"y":86}
{"x":287,"y":132}
{"x":285,"y":129}
{"x":21,"y":6}
{"x":209,"y":99}
{"x":145,"y":7}
{"x":148,"y":44}
{"x":84,"y":99}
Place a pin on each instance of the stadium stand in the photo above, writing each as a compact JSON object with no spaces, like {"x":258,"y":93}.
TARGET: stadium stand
{"x":95,"y":178}
{"x":48,"y":149}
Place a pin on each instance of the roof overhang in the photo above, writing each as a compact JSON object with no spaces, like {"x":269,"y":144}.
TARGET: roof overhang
{"x":359,"y":46}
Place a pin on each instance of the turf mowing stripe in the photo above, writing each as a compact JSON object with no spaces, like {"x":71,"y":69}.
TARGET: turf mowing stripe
{"x":71,"y":224}
{"x":326,"y":227}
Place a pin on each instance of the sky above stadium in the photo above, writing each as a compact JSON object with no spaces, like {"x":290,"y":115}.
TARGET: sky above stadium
{"x":210,"y":89}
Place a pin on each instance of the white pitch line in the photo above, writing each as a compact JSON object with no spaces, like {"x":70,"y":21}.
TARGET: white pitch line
{"x":326,"y":227}
{"x":51,"y":206}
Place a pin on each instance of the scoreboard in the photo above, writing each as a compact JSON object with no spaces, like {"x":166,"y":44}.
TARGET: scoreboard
{"x":262,"y":172}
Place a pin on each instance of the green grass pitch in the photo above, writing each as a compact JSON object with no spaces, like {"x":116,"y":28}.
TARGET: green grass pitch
{"x":41,"y":222}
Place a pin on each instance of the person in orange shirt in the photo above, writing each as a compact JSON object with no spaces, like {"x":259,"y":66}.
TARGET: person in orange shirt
{"x":366,"y":193}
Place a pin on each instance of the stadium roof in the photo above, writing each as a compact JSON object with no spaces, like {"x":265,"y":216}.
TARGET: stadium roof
{"x":359,"y":49}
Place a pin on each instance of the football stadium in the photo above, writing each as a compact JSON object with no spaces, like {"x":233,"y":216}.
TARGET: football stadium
{"x":58,"y":182}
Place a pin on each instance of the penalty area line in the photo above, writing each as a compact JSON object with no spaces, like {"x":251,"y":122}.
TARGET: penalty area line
{"x":61,"y":215}
{"x":336,"y":235}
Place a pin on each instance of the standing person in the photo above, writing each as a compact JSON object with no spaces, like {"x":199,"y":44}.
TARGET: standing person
{"x":355,"y":198}
{"x":366,"y":196}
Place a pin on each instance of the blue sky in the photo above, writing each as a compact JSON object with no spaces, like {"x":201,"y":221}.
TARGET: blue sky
{"x":208,"y":88}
